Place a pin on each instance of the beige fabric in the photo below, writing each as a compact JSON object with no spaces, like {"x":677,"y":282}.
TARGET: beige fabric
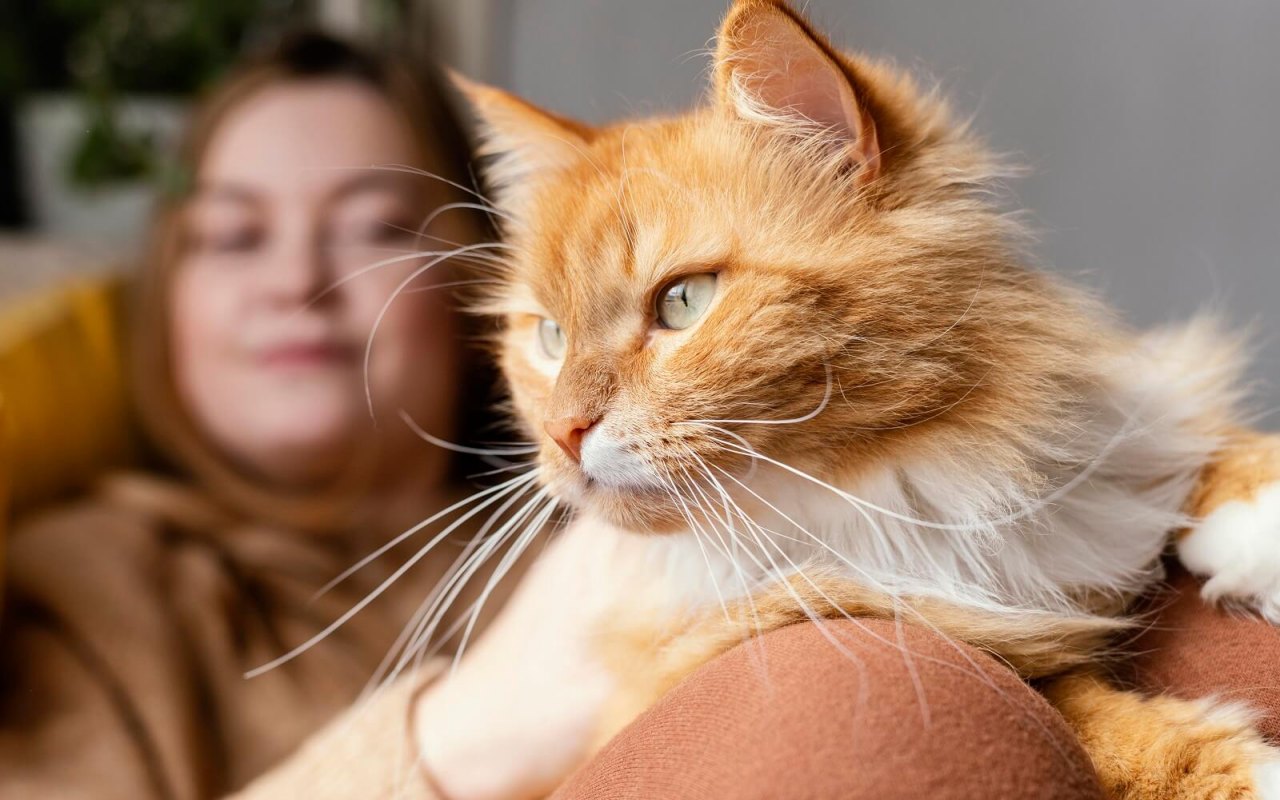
{"x":364,"y":754}
{"x":127,"y":632}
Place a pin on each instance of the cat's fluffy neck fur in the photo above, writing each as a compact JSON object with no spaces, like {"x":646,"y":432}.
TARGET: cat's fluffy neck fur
{"x":1116,"y":481}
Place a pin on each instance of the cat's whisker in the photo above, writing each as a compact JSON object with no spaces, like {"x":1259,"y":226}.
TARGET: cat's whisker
{"x":461,"y":252}
{"x":460,"y":448}
{"x":725,"y":432}
{"x":482,"y":258}
{"x":747,"y":592}
{"x":451,"y":285}
{"x":1094,"y":463}
{"x":763,"y":535}
{"x":426,"y":646}
{"x":444,"y":209}
{"x":702,"y":547}
{"x":419,"y":620}
{"x":532,"y":529}
{"x":424,"y":640}
{"x":862,"y":512}
{"x":758,"y":651}
{"x":382,"y":312}
{"x":450,"y":590}
{"x":488,"y":205}
{"x":865,"y":505}
{"x":760,"y":537}
{"x":503,"y":469}
{"x":729,"y":544}
{"x":826,"y":398}
{"x":379,"y":589}
{"x":904,"y":609}
{"x":768,"y":536}
{"x":497,"y":492}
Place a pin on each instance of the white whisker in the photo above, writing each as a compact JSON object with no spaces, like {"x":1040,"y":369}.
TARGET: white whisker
{"x":459,"y":448}
{"x":500,"y":490}
{"x":826,"y":398}
{"x":504,"y":566}
{"x":382,"y":312}
{"x":418,"y":620}
{"x":372,"y":595}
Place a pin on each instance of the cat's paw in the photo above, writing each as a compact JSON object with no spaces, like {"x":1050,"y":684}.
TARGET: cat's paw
{"x":1237,"y":547}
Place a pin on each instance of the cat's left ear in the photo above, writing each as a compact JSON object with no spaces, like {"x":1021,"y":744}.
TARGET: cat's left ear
{"x":773,"y":68}
{"x":523,"y":141}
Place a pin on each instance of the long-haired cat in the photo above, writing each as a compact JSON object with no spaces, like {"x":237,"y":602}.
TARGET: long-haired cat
{"x":784,"y":350}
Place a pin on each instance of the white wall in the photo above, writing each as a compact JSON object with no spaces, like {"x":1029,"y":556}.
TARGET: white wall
{"x":1152,"y":126}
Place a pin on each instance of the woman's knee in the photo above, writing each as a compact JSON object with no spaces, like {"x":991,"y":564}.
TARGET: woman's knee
{"x":850,"y":710}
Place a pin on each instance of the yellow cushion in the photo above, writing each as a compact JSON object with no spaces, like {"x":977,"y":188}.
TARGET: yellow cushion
{"x":63,"y":388}
{"x":4,"y":489}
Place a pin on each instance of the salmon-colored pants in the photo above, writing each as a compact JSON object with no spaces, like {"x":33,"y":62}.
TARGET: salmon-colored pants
{"x":901,"y":714}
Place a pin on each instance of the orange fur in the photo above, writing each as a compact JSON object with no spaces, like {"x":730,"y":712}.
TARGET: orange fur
{"x":955,"y":341}
{"x":1160,"y":748}
{"x":1249,"y":462}
{"x":858,"y":259}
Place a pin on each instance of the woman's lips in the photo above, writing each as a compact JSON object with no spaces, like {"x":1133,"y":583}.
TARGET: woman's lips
{"x":295,"y":355}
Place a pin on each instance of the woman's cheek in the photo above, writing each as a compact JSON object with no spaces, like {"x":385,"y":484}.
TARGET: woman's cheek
{"x":414,"y":332}
{"x":204,"y":331}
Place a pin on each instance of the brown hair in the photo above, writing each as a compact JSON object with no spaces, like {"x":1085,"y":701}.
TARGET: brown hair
{"x":417,"y":93}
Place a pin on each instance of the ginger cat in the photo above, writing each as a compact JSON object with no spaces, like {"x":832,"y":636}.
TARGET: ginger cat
{"x":784,"y":352}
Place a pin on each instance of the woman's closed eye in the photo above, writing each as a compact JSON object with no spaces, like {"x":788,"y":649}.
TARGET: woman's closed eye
{"x":372,"y":232}
{"x":227,"y":240}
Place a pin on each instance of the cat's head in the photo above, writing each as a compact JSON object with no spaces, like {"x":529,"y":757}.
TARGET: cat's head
{"x":808,"y":268}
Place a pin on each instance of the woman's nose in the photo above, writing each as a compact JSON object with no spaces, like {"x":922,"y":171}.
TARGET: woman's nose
{"x":300,"y":270}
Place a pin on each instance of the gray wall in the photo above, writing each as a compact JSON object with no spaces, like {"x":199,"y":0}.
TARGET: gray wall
{"x":1151,"y":126}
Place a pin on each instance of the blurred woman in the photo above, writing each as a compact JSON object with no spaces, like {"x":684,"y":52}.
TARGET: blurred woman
{"x":132,"y":615}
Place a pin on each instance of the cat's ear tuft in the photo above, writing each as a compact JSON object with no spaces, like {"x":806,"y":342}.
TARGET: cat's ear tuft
{"x":519,"y":140}
{"x":773,"y":68}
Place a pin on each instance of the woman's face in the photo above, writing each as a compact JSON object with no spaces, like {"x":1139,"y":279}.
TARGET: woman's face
{"x":271,"y":314}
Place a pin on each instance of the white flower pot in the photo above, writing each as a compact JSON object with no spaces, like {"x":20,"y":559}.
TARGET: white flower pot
{"x":50,"y":127}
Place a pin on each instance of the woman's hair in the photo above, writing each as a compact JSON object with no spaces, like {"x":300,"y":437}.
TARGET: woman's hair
{"x":417,"y":93}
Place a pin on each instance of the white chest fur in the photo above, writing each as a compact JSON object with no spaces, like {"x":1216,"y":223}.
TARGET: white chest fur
{"x":1116,"y":478}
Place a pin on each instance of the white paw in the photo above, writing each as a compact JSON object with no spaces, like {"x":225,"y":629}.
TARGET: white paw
{"x":1238,"y":548}
{"x":1266,"y":779}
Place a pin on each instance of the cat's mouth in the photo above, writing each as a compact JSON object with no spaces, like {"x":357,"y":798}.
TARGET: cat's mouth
{"x":615,"y":480}
{"x":607,"y":463}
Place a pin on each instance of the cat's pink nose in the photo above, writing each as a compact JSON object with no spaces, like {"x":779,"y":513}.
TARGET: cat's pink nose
{"x":568,"y":432}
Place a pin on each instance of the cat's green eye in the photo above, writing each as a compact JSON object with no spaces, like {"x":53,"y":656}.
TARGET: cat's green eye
{"x":550,"y":338}
{"x":682,"y":302}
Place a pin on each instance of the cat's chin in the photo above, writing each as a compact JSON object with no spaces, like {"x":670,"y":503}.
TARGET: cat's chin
{"x":636,"y":511}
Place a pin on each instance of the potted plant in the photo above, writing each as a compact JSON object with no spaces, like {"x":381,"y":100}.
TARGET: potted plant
{"x":106,"y":83}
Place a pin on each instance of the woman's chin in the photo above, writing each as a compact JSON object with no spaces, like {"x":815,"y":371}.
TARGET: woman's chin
{"x":300,"y":455}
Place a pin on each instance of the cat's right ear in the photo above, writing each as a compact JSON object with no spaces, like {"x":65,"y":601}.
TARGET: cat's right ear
{"x":773,"y":68}
{"x":520,"y":140}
